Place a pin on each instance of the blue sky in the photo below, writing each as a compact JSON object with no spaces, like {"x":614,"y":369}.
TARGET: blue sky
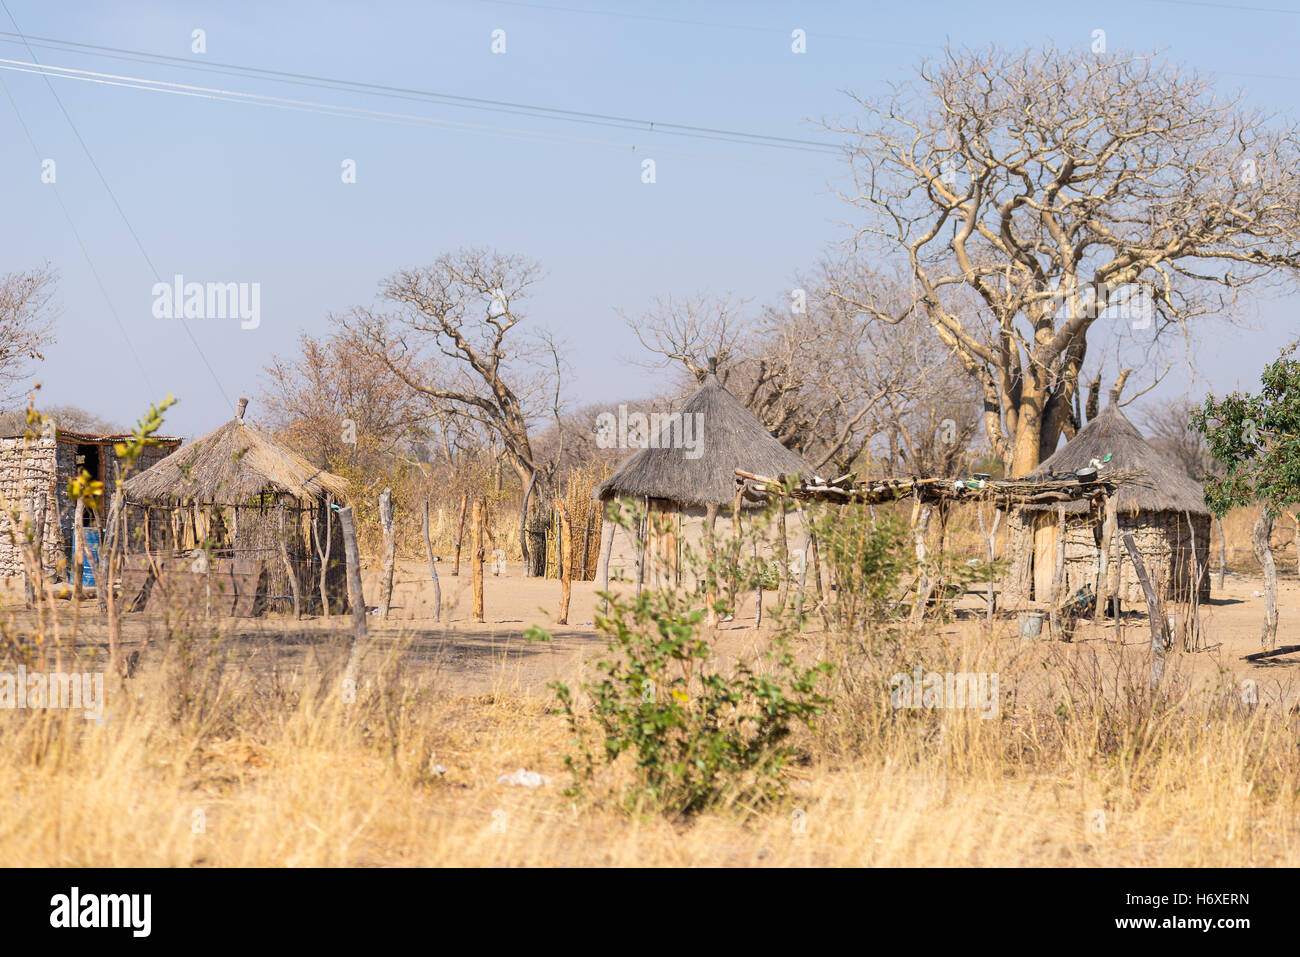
{"x":221,"y":191}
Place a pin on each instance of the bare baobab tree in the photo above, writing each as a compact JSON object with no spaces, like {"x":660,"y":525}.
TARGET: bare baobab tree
{"x":1061,"y":187}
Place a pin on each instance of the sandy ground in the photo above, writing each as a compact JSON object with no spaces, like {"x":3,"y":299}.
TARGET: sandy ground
{"x":493,"y":656}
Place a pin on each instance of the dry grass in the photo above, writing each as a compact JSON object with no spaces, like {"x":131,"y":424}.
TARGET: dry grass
{"x":267,"y":766}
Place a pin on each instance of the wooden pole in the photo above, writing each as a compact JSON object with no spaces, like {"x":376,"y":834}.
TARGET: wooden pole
{"x":323,"y":552}
{"x":288,"y":568}
{"x":356,"y":598}
{"x":1159,"y":625}
{"x":990,"y":539}
{"x":1260,"y":539}
{"x":460,"y":534}
{"x":1058,"y":573}
{"x":783,"y":590}
{"x":607,"y":548}
{"x":920,"y":523}
{"x":586,"y":540}
{"x":78,"y":547}
{"x":710,"y":590}
{"x":477,"y":571}
{"x":1106,"y":559}
{"x":564,"y":559}
{"x":1223,"y":552}
{"x":390,"y":553}
{"x":433,"y":566}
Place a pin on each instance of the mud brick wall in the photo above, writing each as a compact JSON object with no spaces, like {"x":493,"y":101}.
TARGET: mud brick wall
{"x":29,"y":472}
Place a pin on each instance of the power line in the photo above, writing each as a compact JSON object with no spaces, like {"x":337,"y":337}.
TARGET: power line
{"x":447,"y":99}
{"x":309,"y":106}
{"x":113,"y":196}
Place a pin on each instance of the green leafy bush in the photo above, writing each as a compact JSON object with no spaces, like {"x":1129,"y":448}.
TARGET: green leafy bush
{"x":699,"y":736}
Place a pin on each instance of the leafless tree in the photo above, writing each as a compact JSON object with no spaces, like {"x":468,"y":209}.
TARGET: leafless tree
{"x":26,"y":325}
{"x":823,"y":381}
{"x":449,"y":332}
{"x":1061,"y":187}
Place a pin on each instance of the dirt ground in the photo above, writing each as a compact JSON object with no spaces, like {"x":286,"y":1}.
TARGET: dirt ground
{"x":470,"y":658}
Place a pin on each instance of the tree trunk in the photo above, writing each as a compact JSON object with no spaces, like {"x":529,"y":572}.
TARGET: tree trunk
{"x":390,"y":553}
{"x":1264,"y":552}
{"x":433,"y":567}
{"x":1027,"y":450}
{"x":523,"y":523}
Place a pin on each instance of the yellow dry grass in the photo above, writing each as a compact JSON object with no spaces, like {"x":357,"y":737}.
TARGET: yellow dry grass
{"x":263,"y":767}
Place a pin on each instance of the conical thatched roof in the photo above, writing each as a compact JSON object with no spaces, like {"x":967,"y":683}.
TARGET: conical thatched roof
{"x":1160,"y":484}
{"x":230,"y":466}
{"x":730,"y":438}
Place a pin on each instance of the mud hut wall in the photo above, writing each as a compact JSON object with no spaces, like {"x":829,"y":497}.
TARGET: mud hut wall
{"x":29,"y":472}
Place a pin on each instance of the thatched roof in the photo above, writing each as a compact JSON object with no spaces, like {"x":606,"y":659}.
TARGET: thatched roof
{"x":230,"y":466}
{"x":1160,"y":484}
{"x":730,"y":438}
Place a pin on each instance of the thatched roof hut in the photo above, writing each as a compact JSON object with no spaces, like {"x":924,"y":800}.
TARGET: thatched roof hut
{"x":691,"y":482}
{"x":729,"y":438}
{"x":1159,"y":483}
{"x":1157,"y":502}
{"x":233,"y":465}
{"x":251,"y":501}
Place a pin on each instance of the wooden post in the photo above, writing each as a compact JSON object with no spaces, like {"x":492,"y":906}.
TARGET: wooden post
{"x":783,"y":590}
{"x":1159,"y":624}
{"x":1105,"y":559}
{"x":356,"y":598}
{"x":1259,"y":538}
{"x":758,"y":589}
{"x":1058,"y":573}
{"x":1192,"y":641}
{"x":920,"y":523}
{"x":803,"y":577}
{"x":586,"y":540}
{"x":477,"y":571}
{"x":390,"y":553}
{"x":288,"y":568}
{"x":433,"y":567}
{"x":710,"y":590}
{"x":990,"y":539}
{"x":460,"y":533}
{"x":78,"y":547}
{"x":607,"y":548}
{"x":564,"y":558}
{"x":323,"y":552}
{"x":1223,"y":552}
